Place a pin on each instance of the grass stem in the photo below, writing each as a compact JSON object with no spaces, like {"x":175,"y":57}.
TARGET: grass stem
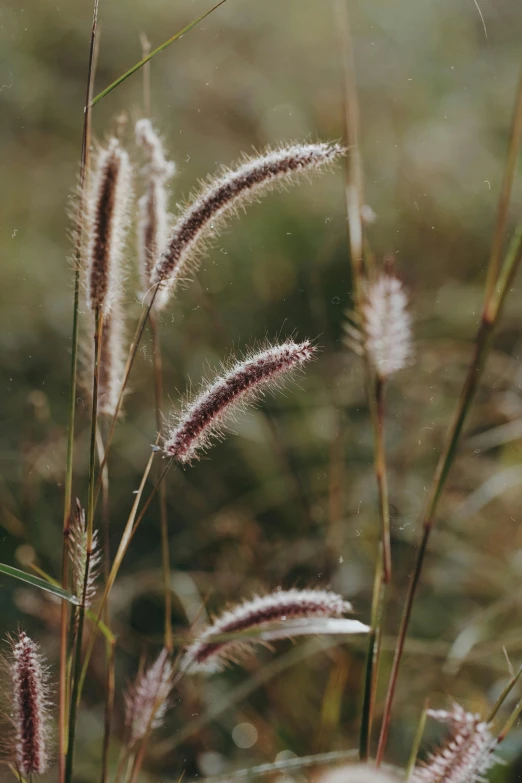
{"x":490,"y":317}
{"x":84,"y":168}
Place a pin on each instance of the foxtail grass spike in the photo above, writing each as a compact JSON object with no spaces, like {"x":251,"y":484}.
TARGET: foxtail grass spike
{"x":202,"y":420}
{"x":224,"y":195}
{"x":82,"y":560}
{"x":466,"y":755}
{"x":153,"y":217}
{"x":30,"y":717}
{"x":383,"y":327}
{"x":206,"y":655}
{"x":112,"y":361}
{"x":106,"y":224}
{"x":147,"y":700}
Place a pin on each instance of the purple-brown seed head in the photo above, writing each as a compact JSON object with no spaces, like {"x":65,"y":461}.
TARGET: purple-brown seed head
{"x":224,"y":195}
{"x":106,"y":223}
{"x":208,"y":654}
{"x":203,"y":419}
{"x":29,"y":706}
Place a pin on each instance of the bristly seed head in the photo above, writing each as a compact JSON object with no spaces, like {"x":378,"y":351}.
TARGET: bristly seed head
{"x":467,"y":753}
{"x":29,"y":706}
{"x":383,"y":328}
{"x":148,"y":699}
{"x":203,"y":419}
{"x":206,"y":655}
{"x":106,"y":223}
{"x":85,"y":565}
{"x":224,"y":195}
{"x":111,"y":360}
{"x":153,"y":214}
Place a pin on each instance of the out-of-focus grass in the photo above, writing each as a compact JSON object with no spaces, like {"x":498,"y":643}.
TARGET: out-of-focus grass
{"x":290,"y":499}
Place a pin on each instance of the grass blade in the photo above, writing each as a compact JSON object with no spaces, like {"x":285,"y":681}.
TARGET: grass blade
{"x":152,"y":54}
{"x":41,"y":584}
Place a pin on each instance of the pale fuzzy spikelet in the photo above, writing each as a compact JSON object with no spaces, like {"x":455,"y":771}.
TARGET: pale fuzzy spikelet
{"x":153,"y":217}
{"x":29,"y":706}
{"x":111,"y":361}
{"x":203,"y":419}
{"x":223,"y":196}
{"x":467,"y":753}
{"x":83,"y":565}
{"x":106,"y":224}
{"x":356,"y":773}
{"x":384,"y":327}
{"x":205,"y":655}
{"x":148,"y":699}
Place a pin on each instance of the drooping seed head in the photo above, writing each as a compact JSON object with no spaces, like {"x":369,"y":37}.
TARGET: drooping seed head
{"x":29,"y":695}
{"x":209,"y":653}
{"x":203,"y":419}
{"x":147,"y":700}
{"x":222,"y":196}
{"x":383,"y":328}
{"x":153,"y":217}
{"x":466,"y":755}
{"x":106,"y":223}
{"x":85,"y":563}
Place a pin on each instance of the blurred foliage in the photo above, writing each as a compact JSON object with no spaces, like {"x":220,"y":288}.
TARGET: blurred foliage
{"x":291,"y":498}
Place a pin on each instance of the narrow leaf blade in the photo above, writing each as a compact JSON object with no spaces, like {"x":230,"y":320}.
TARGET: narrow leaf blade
{"x":152,"y":54}
{"x":41,"y":584}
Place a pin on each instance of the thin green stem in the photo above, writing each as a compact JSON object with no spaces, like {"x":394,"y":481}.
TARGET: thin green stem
{"x":513,"y":718}
{"x":382,"y":479}
{"x":503,"y":696}
{"x":152,"y":54}
{"x":372,"y":659}
{"x":382,"y":569}
{"x":417,"y":741}
{"x":75,"y":692}
{"x":84,"y":168}
{"x":164,"y":521}
{"x":505,"y":193}
{"x":73,"y":707}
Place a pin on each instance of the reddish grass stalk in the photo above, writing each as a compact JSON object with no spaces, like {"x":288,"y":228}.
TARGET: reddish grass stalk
{"x":491,"y":314}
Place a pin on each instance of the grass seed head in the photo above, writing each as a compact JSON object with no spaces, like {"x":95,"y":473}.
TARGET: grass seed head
{"x":30,"y":695}
{"x":106,"y":224}
{"x":206,"y":655}
{"x":223,"y":196}
{"x":203,"y":419}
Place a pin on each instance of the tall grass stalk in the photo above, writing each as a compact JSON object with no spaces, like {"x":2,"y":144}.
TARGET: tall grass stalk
{"x":491,"y":313}
{"x":354,"y":195}
{"x":84,"y":168}
{"x":162,"y":492}
{"x":77,"y":657}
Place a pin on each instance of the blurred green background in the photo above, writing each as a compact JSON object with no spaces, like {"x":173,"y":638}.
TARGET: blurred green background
{"x":290,"y":499}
